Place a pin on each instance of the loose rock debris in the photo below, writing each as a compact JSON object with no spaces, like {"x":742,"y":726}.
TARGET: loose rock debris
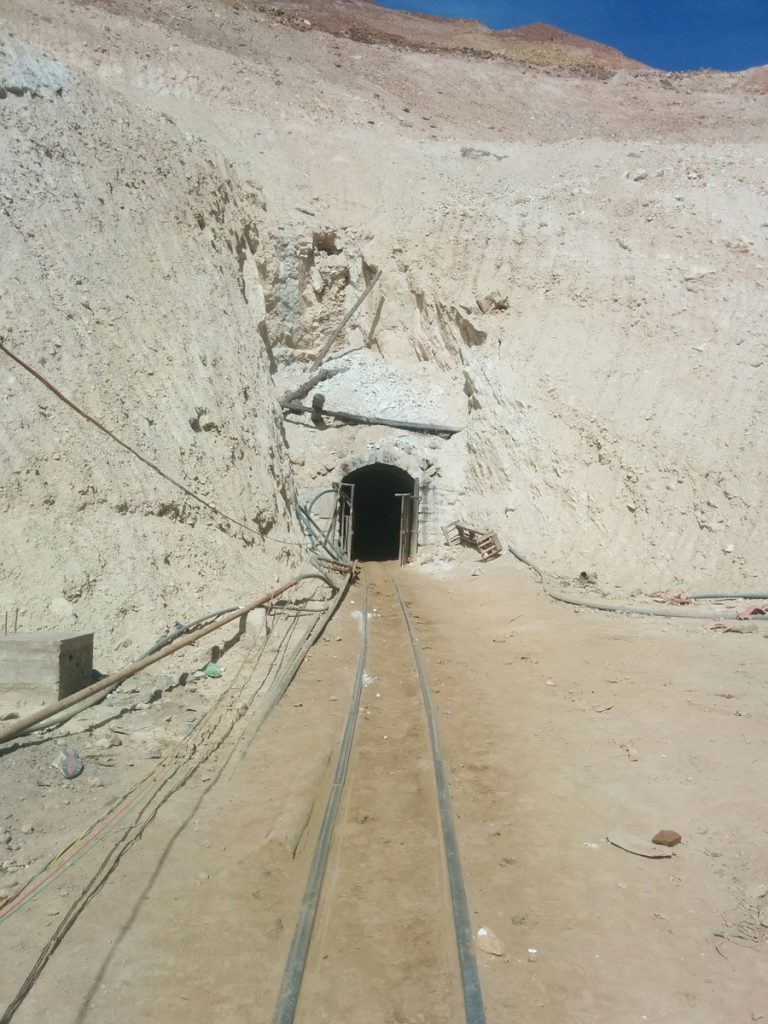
{"x":569,"y":184}
{"x":68,"y":763}
{"x":641,"y":847}
{"x":489,"y":942}
{"x":667,"y":837}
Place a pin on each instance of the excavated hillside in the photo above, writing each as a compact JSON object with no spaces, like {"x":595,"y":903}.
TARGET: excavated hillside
{"x":572,"y":253}
{"x":125,"y":282}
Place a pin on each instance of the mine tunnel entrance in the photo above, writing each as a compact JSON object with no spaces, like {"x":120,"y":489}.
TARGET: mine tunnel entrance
{"x":384,"y":523}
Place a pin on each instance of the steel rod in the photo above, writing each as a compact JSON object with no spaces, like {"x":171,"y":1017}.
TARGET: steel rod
{"x":22,"y":724}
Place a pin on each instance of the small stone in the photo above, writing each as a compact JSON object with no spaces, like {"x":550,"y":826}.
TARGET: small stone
{"x":493,"y":300}
{"x":640,"y":175}
{"x":667,"y":837}
{"x":69,"y":763}
{"x":488,"y":942}
{"x":108,"y":741}
{"x":27,"y":829}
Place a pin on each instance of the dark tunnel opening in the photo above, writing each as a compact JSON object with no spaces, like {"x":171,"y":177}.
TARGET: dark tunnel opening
{"x":376,"y":511}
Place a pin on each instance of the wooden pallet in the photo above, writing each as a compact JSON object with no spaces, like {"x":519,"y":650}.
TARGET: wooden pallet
{"x":484,"y":541}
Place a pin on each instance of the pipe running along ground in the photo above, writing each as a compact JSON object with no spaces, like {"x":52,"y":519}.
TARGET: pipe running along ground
{"x":276,"y":691}
{"x":667,"y":613}
{"x":179,"y":630}
{"x":108,"y":683}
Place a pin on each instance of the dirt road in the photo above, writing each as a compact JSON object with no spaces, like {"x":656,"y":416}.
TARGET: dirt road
{"x":557,"y":727}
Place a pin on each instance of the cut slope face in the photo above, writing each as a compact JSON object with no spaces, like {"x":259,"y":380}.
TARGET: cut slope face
{"x":124,"y":280}
{"x":572,"y":269}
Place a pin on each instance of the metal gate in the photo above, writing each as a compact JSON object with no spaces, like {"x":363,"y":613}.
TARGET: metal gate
{"x":344,"y":516}
{"x":409,"y":524}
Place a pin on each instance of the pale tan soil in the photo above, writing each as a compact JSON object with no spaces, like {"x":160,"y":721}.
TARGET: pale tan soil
{"x":192,"y":195}
{"x":132,"y":730}
{"x":613,"y":415}
{"x":196,"y":921}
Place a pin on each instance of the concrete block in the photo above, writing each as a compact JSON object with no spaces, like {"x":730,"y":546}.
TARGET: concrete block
{"x":38,"y":668}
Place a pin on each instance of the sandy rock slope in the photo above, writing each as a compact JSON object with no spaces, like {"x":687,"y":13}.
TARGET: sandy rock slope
{"x":214,"y":185}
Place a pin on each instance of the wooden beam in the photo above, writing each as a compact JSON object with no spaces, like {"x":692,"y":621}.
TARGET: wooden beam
{"x":348,"y":316}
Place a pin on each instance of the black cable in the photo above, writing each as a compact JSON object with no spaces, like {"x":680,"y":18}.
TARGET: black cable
{"x":470,"y":980}
{"x":285,"y":1011}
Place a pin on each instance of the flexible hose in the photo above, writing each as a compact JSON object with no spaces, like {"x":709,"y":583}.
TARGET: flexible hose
{"x":667,"y":613}
{"x":315,"y":536}
{"x":97,"y":698}
{"x":44,"y":715}
{"x":609,"y":606}
{"x":180,"y":629}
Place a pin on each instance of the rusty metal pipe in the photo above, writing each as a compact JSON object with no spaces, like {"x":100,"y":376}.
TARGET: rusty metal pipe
{"x":22,"y":724}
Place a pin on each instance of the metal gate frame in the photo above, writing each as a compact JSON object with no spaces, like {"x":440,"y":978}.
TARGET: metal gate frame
{"x":409,"y":524}
{"x":344,"y":516}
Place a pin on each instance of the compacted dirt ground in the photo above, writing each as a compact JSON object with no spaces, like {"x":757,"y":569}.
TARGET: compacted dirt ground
{"x":558,"y":727}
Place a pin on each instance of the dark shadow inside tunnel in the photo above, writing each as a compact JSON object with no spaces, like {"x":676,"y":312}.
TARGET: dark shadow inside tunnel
{"x":376,"y":510}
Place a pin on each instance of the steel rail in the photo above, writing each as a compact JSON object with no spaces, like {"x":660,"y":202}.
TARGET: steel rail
{"x":470,"y":981}
{"x":287,"y":1001}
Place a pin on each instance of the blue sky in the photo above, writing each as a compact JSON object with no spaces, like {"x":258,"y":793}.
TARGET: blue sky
{"x":677,"y":35}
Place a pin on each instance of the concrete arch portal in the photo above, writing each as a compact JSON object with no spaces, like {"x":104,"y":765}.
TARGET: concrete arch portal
{"x":377,"y":510}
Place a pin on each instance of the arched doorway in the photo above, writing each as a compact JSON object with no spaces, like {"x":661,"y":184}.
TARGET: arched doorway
{"x":384,"y":524}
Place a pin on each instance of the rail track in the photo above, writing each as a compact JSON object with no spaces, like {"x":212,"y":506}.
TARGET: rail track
{"x":383,"y":926}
